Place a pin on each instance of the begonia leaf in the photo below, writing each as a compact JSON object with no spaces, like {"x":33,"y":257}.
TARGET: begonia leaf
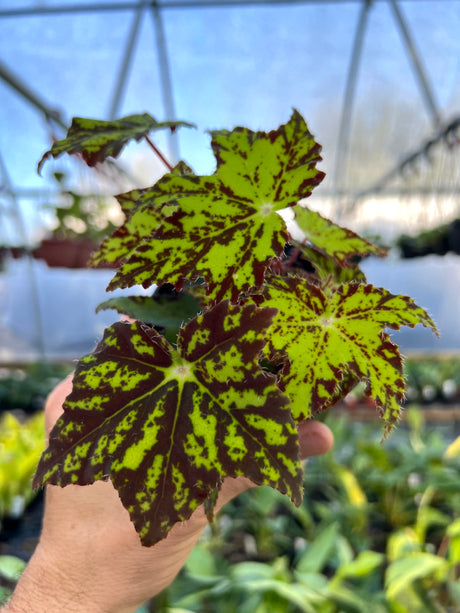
{"x":168,"y":426}
{"x":97,"y":139}
{"x":332,"y":240}
{"x":225,"y":228}
{"x":143,"y":211}
{"x":137,"y":198}
{"x":324,"y":336}
{"x":163,"y":312}
{"x":271,"y":169}
{"x":319,"y":266}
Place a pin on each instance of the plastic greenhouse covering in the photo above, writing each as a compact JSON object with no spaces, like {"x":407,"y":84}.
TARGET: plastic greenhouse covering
{"x":378,"y":82}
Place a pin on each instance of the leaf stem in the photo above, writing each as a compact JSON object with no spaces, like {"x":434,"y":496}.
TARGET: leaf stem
{"x":292,"y":258}
{"x":159,"y":154}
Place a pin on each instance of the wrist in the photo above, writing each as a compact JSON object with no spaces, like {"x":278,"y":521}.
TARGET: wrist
{"x":44,"y":588}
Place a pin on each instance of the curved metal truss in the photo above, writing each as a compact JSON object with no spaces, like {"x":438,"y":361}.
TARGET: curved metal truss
{"x":135,"y":11}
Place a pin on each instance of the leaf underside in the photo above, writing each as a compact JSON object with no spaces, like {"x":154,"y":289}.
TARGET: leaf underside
{"x":324,"y":337}
{"x":224,"y":228}
{"x":96,"y":139}
{"x":166,"y":314}
{"x":168,"y":426}
{"x":323,"y":268}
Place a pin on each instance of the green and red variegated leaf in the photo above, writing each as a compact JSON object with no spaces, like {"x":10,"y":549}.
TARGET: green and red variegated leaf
{"x":338,"y":243}
{"x":97,"y":139}
{"x":168,"y":426}
{"x":117,"y":247}
{"x":137,"y":198}
{"x":225,"y":228}
{"x":273,"y":170}
{"x":325,"y":336}
{"x":227,"y":243}
{"x":145,"y":211}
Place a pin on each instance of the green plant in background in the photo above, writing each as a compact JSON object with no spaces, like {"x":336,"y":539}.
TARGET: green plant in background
{"x":439,"y":241}
{"x":433,"y":379}
{"x":11,"y":569}
{"x":23,"y":390}
{"x":429,"y":379}
{"x":80,"y":216}
{"x":20,"y":447}
{"x":378,"y":530}
{"x":27,"y":387}
{"x":267,"y":345}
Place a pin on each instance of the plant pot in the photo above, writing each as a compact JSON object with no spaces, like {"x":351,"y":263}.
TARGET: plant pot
{"x":66,"y":253}
{"x":14,"y":253}
{"x":3,"y":256}
{"x":454,"y":236}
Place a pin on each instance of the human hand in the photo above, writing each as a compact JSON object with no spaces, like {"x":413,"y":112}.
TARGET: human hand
{"x":90,"y":559}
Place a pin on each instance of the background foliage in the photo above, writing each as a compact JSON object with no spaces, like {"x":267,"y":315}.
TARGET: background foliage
{"x":378,"y":530}
{"x":378,"y":527}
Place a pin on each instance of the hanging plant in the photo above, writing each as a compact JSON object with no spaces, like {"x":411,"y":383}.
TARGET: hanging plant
{"x":82,"y":220}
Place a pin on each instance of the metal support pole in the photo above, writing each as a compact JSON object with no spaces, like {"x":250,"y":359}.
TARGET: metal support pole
{"x":21,"y":88}
{"x":165,"y":79}
{"x":127,"y":60}
{"x":35,"y":295}
{"x":447,"y":134}
{"x":95,"y":7}
{"x":427,"y":93}
{"x":348,"y":102}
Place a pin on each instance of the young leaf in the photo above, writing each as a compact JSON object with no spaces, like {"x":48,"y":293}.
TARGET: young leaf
{"x":163,"y":312}
{"x":321,"y":267}
{"x":226,"y":228}
{"x":97,"y":139}
{"x":330,"y":239}
{"x":325,"y":337}
{"x":168,"y":426}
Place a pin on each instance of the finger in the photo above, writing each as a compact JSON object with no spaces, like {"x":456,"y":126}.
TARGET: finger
{"x":314,"y":439}
{"x":54,"y":402}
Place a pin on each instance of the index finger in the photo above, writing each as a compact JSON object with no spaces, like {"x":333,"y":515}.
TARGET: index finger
{"x":54,"y":402}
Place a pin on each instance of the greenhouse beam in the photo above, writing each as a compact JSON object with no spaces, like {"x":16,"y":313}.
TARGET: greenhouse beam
{"x":127,"y":59}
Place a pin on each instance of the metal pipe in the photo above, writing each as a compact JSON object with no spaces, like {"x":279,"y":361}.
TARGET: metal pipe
{"x":348,"y":101}
{"x":127,"y":59}
{"x":35,"y":301}
{"x":168,"y":4}
{"x":449,"y":134}
{"x":19,"y":86}
{"x":37,"y":193}
{"x":417,"y":66}
{"x":165,"y":78}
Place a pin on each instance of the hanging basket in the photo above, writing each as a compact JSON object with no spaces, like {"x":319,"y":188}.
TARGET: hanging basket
{"x":65,"y":252}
